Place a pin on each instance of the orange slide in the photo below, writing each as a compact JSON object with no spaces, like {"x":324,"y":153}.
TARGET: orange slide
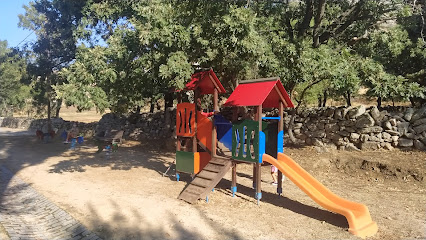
{"x":358,"y":216}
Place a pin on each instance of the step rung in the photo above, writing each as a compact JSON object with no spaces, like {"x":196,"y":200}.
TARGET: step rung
{"x":207,"y":174}
{"x":201,"y":182}
{"x":213,"y":167}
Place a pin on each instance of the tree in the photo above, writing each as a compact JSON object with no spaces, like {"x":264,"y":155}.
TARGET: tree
{"x":12,"y":69}
{"x":55,"y":25}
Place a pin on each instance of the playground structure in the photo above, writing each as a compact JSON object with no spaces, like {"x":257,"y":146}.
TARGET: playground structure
{"x":252,"y":141}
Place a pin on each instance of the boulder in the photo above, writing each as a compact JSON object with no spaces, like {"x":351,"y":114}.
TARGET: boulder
{"x":364,"y":121}
{"x":420,"y":128}
{"x":393,"y":133}
{"x":419,"y":145}
{"x":333,"y":127}
{"x":355,"y":112}
{"x":387,"y":125}
{"x":388,"y":146}
{"x":364,"y":137}
{"x":374,"y":129}
{"x":370,"y":145}
{"x":421,"y":113}
{"x":329,"y":112}
{"x":386,"y":136}
{"x":375,"y":113}
{"x":317,"y":142}
{"x":393,"y":121}
{"x":354,"y":137}
{"x":311,"y":126}
{"x":403,"y":127}
{"x":351,"y":147}
{"x":338,"y":114}
{"x":419,"y":122}
{"x":404,"y":142}
{"x":408,"y":114}
{"x":344,"y":133}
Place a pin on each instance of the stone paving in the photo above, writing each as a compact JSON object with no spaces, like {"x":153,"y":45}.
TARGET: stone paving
{"x":26,"y":214}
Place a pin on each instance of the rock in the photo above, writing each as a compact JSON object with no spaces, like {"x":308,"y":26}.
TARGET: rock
{"x":317,"y":142}
{"x":404,"y":142}
{"x":387,"y":125}
{"x":423,"y":140}
{"x":375,"y":113}
{"x":329,"y":112}
{"x":364,"y":137}
{"x":403,"y":127}
{"x":331,"y":127}
{"x":330,"y":146}
{"x":318,"y":134}
{"x":408,"y":114}
{"x":395,"y":138}
{"x":338,"y":114}
{"x":419,"y":122}
{"x":410,"y":135}
{"x":320,"y":126}
{"x":354,"y":137}
{"x":393,"y":133}
{"x":388,"y":146}
{"x":374,"y":129}
{"x":370,"y":145}
{"x":344,"y":133}
{"x":392,"y":121}
{"x":311,"y":126}
{"x":421,"y":113}
{"x":419,"y":145}
{"x":374,"y":139}
{"x":351,"y":147}
{"x":386,"y":136}
{"x":297,"y":125}
{"x":355,"y":112}
{"x":420,"y":128}
{"x":364,"y":121}
{"x":297,"y":131}
{"x":350,"y":129}
{"x":347,"y":123}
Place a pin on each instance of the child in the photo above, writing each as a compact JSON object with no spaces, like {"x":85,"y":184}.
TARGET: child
{"x":274,"y":174}
{"x":72,"y":133}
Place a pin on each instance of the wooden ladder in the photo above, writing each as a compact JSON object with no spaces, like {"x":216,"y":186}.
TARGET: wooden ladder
{"x":206,"y":180}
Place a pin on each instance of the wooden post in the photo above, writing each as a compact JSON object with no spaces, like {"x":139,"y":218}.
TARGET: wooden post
{"x":258,"y":166}
{"x":194,"y":138}
{"x":178,"y":144}
{"x":214,"y":133}
{"x":234,"y":178}
{"x":280,"y":128}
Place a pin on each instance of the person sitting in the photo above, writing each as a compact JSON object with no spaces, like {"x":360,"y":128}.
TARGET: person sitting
{"x":72,"y":133}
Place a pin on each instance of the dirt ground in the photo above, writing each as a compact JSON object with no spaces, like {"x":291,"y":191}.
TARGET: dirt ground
{"x":126,"y":196}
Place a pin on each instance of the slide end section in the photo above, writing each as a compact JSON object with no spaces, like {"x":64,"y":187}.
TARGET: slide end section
{"x":366,"y":231}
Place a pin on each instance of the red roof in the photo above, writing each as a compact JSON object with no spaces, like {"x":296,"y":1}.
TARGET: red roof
{"x":206,"y":81}
{"x":265,"y":92}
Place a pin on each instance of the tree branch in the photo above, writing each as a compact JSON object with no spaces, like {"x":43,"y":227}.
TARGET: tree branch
{"x":318,"y":19}
{"x":309,"y":11}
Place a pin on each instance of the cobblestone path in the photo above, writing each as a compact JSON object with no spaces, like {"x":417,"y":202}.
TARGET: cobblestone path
{"x":26,"y":214}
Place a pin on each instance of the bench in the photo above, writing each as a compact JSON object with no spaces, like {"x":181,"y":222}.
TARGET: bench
{"x":110,"y":140}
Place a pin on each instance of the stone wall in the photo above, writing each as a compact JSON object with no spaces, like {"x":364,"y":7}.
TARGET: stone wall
{"x":352,"y":128}
{"x":361,"y":128}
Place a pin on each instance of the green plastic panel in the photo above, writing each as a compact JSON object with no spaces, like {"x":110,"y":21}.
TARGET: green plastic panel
{"x":245,"y":141}
{"x":184,"y":162}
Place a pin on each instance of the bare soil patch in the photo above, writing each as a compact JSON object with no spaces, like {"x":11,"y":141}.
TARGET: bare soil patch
{"x":126,"y":196}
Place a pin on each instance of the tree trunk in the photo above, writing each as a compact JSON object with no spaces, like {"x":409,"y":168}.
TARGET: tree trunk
{"x":49,"y":107}
{"x":319,"y":101}
{"x":58,"y":107}
{"x":168,"y":108}
{"x":348,"y":99}
{"x":379,"y":102}
{"x":152,"y":106}
{"x":324,"y":101}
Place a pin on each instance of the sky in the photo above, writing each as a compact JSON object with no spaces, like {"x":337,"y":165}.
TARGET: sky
{"x":9,"y":30}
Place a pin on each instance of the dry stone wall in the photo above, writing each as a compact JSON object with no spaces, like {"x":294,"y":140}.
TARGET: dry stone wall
{"x":352,"y":128}
{"x":361,"y":128}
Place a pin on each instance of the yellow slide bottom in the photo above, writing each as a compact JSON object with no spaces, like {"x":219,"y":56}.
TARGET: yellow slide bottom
{"x":358,"y":216}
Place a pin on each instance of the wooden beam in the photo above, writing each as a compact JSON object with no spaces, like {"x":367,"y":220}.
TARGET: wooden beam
{"x":281,"y":96}
{"x":259,"y":80}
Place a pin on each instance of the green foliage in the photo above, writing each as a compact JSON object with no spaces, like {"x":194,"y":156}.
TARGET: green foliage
{"x":12,"y":69}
